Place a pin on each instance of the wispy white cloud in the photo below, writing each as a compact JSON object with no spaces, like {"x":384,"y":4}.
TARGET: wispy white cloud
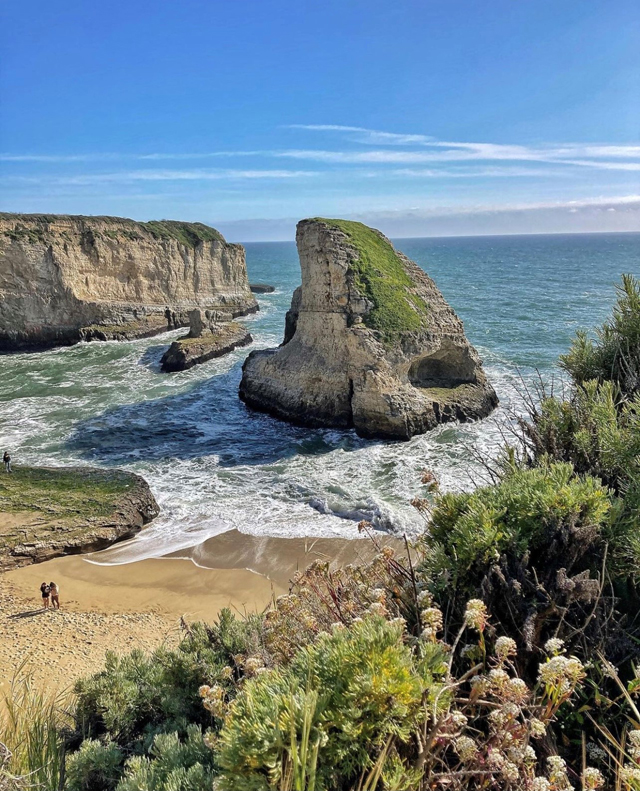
{"x":472,"y":152}
{"x":480,"y":149}
{"x":97,"y":157}
{"x":165,"y":175}
{"x":362,"y":135}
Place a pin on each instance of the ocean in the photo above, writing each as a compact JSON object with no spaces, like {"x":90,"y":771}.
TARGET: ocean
{"x":215,"y":465}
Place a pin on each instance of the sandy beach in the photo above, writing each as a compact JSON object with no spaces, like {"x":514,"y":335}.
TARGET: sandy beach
{"x":141,"y":604}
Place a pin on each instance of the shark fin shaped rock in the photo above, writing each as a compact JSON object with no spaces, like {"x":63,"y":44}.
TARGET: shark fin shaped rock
{"x":370,"y":343}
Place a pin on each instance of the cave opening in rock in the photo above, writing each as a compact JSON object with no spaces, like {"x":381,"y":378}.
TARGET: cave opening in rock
{"x":449,"y":366}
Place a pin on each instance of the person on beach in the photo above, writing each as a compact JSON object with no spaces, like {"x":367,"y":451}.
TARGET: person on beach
{"x":7,"y":461}
{"x":55,"y":595}
{"x":45,"y":591}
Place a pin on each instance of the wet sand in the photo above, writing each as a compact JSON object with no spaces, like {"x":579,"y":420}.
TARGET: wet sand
{"x":278,"y":559}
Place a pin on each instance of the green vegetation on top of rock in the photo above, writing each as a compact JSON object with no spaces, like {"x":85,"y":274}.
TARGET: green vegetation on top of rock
{"x":380,"y":276}
{"x":67,"y":492}
{"x":33,"y":227}
{"x":45,"y":512}
{"x":187,"y":233}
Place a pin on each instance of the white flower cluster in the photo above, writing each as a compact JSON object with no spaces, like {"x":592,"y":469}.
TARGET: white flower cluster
{"x":634,"y":745}
{"x":540,"y":784}
{"x":213,"y":699}
{"x":558,"y":774}
{"x":554,"y":646}
{"x":537,"y":728}
{"x":505,"y":647}
{"x":630,"y":772}
{"x":592,"y":779}
{"x":476,"y":615}
{"x":561,"y":673}
{"x":432,"y":623}
{"x":466,"y":749}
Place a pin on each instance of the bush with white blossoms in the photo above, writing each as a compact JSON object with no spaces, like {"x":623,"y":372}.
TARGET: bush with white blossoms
{"x":461,"y":730}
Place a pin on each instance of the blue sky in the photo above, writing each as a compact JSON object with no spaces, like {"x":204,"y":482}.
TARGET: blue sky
{"x":422,"y":117}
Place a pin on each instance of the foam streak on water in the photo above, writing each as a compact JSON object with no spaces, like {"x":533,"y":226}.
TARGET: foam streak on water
{"x":214,"y":465}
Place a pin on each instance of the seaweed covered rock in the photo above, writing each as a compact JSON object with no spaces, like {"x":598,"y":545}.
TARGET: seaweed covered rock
{"x":370,"y":343}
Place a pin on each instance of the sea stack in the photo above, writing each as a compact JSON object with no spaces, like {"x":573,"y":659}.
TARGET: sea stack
{"x":70,"y":278}
{"x":370,"y":343}
{"x":211,"y":335}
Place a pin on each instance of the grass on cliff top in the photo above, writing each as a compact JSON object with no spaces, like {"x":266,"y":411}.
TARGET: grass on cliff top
{"x":187,"y":233}
{"x":381,"y":278}
{"x":62,"y":493}
{"x":32,"y":228}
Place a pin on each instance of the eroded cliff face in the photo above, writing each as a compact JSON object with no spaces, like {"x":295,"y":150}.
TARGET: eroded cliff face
{"x":370,"y":343}
{"x":63,"y":278}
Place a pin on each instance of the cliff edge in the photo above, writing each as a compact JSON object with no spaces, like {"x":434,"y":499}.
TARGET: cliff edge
{"x":370,"y":343}
{"x":70,"y":278}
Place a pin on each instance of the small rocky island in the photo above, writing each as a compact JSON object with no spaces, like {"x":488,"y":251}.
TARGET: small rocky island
{"x":46,"y":512}
{"x":213,"y":335}
{"x":370,"y":343}
{"x":69,"y":278}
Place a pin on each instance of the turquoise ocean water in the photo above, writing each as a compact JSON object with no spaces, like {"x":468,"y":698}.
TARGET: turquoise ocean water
{"x":214,"y":465}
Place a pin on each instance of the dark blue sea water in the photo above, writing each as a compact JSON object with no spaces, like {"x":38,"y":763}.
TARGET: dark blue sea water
{"x":213,"y":464}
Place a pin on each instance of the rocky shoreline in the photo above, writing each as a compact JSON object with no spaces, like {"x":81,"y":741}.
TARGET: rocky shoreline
{"x":46,"y":512}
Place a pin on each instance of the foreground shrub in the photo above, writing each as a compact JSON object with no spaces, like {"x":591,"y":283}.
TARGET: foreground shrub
{"x":363,"y":709}
{"x":597,"y":431}
{"x":322,"y":718}
{"x":139,"y":695}
{"x":172,"y":765}
{"x":96,"y":766}
{"x":531,"y":545}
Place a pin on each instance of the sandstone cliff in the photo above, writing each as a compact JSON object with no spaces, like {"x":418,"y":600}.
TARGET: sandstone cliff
{"x":64,"y":279}
{"x":369,"y":343}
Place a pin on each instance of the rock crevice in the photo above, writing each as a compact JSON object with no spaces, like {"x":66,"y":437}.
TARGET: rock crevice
{"x":370,"y":343}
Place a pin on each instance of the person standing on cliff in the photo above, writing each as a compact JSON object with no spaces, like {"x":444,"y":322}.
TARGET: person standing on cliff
{"x":7,"y":461}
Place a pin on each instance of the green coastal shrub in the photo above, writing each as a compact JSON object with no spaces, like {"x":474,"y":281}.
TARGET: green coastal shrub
{"x":139,"y":695}
{"x":96,"y":766}
{"x":172,"y":765}
{"x":597,"y":430}
{"x":614,"y":354}
{"x":519,"y":515}
{"x":532,"y":547}
{"x":326,"y":717}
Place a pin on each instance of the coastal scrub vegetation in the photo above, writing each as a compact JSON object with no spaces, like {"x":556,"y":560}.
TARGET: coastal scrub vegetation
{"x":380,"y":277}
{"x":34,"y":228}
{"x":500,"y":651}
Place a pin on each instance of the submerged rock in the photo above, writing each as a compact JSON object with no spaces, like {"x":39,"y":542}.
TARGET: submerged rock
{"x":46,"y":512}
{"x":370,"y":343}
{"x":210,"y":336}
{"x":69,"y":278}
